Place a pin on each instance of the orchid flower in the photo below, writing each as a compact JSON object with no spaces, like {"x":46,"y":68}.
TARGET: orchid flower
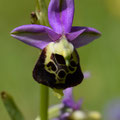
{"x":58,"y":66}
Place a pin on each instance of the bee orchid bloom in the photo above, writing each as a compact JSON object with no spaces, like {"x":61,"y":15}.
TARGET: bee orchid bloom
{"x":58,"y":66}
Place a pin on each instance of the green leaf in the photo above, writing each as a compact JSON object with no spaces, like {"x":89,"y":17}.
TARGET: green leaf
{"x":11,"y":107}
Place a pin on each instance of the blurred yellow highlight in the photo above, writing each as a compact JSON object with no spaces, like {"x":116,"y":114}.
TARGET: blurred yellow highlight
{"x":113,"y":7}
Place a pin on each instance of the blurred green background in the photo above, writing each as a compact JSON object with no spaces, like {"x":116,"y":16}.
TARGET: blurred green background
{"x":101,"y":58}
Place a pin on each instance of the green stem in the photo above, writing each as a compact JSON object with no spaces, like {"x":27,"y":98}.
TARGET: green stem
{"x":44,"y":101}
{"x":41,"y":12}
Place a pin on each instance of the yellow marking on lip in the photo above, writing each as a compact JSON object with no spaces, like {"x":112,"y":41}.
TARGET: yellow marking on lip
{"x":62,"y":47}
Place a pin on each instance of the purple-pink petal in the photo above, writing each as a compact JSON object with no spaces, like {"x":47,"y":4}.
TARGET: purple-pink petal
{"x":60,"y":15}
{"x":35,"y":35}
{"x":73,"y":35}
{"x":87,"y":36}
{"x":68,"y":100}
{"x":77,"y":105}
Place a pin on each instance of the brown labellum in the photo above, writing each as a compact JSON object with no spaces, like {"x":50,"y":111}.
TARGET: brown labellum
{"x":56,"y":74}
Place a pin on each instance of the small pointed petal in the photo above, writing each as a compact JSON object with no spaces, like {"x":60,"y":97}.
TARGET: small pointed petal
{"x":86,"y":36}
{"x":78,"y":105}
{"x":68,"y":93}
{"x":68,"y":98}
{"x":60,"y":15}
{"x":35,"y":35}
{"x":71,"y":36}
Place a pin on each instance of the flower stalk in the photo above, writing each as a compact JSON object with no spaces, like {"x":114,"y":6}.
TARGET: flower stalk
{"x":44,"y":102}
{"x":41,"y":12}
